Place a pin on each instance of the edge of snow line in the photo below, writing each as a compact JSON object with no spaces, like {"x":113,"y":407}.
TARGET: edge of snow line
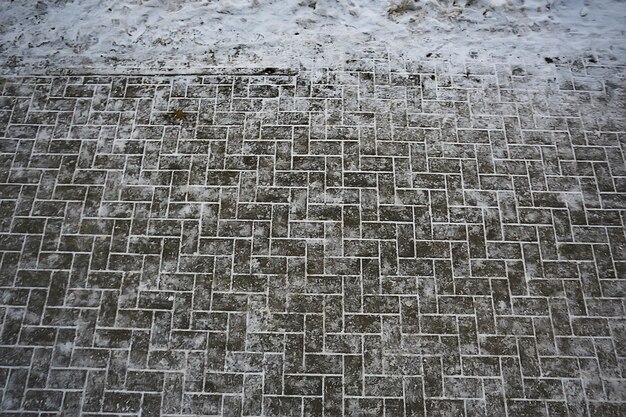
{"x":27,"y":70}
{"x":362,"y":59}
{"x":426,"y":65}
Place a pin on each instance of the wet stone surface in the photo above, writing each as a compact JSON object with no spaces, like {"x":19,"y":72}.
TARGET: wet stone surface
{"x":388,"y":239}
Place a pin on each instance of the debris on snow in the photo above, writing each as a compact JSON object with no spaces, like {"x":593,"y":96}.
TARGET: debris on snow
{"x":282,"y":33}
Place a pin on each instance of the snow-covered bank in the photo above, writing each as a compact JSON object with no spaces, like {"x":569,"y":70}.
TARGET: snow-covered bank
{"x":288,"y":33}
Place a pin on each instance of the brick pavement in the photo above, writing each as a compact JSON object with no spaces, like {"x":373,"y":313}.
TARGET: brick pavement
{"x":385,"y":239}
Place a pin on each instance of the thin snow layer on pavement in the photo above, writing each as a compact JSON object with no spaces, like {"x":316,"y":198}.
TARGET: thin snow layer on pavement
{"x":288,"y":33}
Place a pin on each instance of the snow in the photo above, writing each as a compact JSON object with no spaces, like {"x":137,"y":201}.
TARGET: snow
{"x":158,"y":34}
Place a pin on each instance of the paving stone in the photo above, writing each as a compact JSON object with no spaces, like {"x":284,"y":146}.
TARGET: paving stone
{"x":362,"y":241}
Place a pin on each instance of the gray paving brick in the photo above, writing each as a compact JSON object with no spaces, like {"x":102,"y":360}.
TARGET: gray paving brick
{"x":373,"y":240}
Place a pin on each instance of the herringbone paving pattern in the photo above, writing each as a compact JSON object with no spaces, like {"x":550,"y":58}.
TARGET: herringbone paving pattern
{"x":385,"y":239}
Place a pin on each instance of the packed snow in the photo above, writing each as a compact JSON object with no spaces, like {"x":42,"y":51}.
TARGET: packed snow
{"x":288,"y":33}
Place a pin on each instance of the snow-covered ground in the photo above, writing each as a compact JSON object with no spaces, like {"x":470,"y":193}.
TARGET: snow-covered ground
{"x":288,"y":33}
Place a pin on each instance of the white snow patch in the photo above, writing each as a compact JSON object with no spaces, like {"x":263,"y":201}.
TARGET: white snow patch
{"x":289,"y":33}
